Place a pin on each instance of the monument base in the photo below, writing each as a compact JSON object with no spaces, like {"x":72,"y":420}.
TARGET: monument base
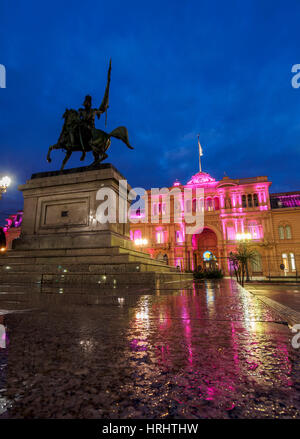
{"x":62,"y":242}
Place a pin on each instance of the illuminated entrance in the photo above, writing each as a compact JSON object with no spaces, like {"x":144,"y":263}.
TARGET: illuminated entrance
{"x":205,"y":249}
{"x":209,"y":260}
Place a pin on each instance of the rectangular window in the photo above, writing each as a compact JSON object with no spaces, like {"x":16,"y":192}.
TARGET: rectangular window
{"x":254,"y":232}
{"x":201,"y":205}
{"x":154,"y":209}
{"x":285,"y":262}
{"x":177,"y":206}
{"x":230,"y":233}
{"x":160,"y":237}
{"x":281,"y":232}
{"x":244,"y":201}
{"x":188,"y":206}
{"x":255,"y":200}
{"x":288,"y":232}
{"x":179,"y":263}
{"x":249,"y":200}
{"x":178,"y":236}
{"x":292,"y":260}
{"x":137,"y":234}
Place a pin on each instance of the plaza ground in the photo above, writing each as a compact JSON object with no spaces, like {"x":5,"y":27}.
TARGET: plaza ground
{"x":285,"y":294}
{"x":204,"y":350}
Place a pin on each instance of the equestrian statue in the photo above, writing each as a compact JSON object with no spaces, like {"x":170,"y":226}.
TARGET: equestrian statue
{"x":79,"y":132}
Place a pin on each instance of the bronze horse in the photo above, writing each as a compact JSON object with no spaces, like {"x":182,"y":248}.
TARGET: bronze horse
{"x":75,"y":137}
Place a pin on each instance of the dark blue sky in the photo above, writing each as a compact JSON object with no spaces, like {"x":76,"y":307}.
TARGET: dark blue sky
{"x":222,"y":69}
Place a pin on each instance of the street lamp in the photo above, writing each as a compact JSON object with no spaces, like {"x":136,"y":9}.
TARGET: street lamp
{"x":141,"y":242}
{"x":243,"y":237}
{"x":4,"y":183}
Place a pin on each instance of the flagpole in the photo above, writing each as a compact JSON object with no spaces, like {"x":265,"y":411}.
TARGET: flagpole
{"x":199,"y":146}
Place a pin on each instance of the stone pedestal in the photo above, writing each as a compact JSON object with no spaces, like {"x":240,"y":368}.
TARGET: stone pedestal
{"x":60,"y":210}
{"x":62,"y":241}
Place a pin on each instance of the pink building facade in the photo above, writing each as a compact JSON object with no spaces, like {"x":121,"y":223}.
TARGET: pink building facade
{"x":234,"y":210}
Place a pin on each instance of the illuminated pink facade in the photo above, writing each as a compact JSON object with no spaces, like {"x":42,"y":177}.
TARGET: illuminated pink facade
{"x":233,"y":209}
{"x":12,"y":228}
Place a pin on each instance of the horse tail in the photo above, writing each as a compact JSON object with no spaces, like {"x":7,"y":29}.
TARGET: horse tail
{"x":122,"y":134}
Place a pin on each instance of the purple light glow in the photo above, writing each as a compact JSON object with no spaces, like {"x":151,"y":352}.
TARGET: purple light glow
{"x":289,"y":200}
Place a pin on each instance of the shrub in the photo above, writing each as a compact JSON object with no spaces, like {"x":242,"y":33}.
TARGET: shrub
{"x":208,"y":274}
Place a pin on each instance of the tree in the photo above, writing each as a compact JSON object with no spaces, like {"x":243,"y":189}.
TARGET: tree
{"x":240,"y":259}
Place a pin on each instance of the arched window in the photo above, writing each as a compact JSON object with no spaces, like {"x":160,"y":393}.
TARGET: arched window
{"x":209,"y":204}
{"x":217,"y":203}
{"x":201,"y":205}
{"x":288,"y":232}
{"x":227,"y":202}
{"x":194,"y":205}
{"x":249,"y":197}
{"x":255,"y":200}
{"x":281,"y":232}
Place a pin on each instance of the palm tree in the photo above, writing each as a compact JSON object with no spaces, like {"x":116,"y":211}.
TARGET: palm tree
{"x":240,"y":259}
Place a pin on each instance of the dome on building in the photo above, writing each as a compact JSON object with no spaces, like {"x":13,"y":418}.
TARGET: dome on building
{"x":201,"y":177}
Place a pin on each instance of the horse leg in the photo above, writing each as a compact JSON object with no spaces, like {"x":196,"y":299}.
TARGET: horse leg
{"x":68,"y":155}
{"x":96,"y":158}
{"x":51,"y":148}
{"x":49,"y":151}
{"x":99,"y":152}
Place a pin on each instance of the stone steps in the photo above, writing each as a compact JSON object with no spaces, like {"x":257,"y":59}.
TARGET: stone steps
{"x":86,"y":256}
{"x":90,"y":251}
{"x":113,"y":267}
{"x":54,"y":261}
{"x":63,"y":242}
{"x":109,"y":280}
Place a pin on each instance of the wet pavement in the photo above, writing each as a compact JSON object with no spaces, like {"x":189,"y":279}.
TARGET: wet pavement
{"x":287,"y":295}
{"x":208,"y":350}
